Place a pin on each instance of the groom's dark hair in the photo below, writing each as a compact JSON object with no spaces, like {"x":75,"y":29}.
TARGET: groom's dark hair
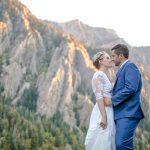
{"x":121,"y":49}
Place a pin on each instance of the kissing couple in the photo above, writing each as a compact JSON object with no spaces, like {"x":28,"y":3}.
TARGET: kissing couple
{"x":117,"y":111}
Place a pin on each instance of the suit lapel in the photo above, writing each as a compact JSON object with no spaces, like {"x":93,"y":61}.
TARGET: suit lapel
{"x":120,"y":71}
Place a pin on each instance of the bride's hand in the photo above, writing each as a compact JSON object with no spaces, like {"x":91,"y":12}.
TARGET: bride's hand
{"x":107,"y":101}
{"x":103,"y":122}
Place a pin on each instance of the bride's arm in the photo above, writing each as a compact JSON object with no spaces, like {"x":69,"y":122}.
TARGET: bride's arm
{"x":99,"y":87}
{"x":101,"y":105}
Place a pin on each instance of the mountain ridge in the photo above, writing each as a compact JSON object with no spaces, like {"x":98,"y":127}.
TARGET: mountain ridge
{"x":56,"y":59}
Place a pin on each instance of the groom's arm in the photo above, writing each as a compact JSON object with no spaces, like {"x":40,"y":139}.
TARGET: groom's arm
{"x":132,"y":78}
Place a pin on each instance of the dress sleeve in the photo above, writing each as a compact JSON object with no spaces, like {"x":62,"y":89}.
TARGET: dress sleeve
{"x":99,"y":87}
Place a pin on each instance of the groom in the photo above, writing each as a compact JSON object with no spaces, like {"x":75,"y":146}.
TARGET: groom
{"x":126,"y":98}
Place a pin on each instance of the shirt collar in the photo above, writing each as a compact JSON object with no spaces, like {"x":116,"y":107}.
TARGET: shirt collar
{"x":124,"y":63}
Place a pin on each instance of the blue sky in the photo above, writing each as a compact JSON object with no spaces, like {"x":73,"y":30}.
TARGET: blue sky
{"x":129,"y":18}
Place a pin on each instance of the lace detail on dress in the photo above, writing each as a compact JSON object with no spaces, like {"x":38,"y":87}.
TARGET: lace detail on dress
{"x":99,"y":87}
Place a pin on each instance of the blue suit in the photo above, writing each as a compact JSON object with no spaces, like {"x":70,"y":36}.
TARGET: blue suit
{"x":126,"y":103}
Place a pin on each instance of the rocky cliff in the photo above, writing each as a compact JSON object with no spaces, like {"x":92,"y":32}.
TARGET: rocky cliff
{"x":56,"y":58}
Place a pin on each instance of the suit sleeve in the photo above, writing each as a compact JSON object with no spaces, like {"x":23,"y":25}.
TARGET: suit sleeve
{"x":132,"y":79}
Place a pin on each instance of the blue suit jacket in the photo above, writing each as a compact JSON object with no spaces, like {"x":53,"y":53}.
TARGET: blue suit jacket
{"x":127,"y":92}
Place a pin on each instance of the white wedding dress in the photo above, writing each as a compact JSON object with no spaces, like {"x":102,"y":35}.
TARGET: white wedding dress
{"x":98,"y":138}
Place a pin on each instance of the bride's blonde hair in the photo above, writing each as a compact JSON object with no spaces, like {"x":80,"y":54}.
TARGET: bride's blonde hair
{"x":97,"y":57}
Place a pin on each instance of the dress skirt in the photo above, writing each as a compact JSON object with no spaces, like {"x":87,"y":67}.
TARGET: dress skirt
{"x":98,"y":138}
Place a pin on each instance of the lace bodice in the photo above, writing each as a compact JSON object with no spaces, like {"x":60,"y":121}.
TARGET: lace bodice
{"x":101,"y":85}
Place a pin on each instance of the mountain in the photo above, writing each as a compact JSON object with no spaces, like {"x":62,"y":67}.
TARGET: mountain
{"x":36,"y":53}
{"x":46,"y":67}
{"x":94,"y":37}
{"x":97,"y":39}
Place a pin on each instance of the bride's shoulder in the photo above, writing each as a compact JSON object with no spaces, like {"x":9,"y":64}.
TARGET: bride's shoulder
{"x":98,"y":74}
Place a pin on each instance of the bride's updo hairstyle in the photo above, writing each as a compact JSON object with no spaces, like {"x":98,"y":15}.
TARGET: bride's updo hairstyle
{"x":97,"y":58}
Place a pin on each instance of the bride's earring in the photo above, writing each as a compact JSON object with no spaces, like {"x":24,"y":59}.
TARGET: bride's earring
{"x":99,"y":61}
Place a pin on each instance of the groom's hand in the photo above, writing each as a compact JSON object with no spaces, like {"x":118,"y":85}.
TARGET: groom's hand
{"x":107,"y":101}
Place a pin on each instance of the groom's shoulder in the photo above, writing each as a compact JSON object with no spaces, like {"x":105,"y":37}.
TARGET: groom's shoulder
{"x":131,"y":64}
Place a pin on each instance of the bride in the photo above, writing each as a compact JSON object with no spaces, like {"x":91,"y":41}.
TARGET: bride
{"x":101,"y":132}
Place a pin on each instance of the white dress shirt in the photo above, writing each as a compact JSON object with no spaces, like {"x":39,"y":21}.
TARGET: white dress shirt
{"x":124,"y":63}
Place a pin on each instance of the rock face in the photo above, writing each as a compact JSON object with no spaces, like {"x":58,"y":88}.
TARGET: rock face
{"x":34,"y":51}
{"x":90,"y":36}
{"x":57,"y":58}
